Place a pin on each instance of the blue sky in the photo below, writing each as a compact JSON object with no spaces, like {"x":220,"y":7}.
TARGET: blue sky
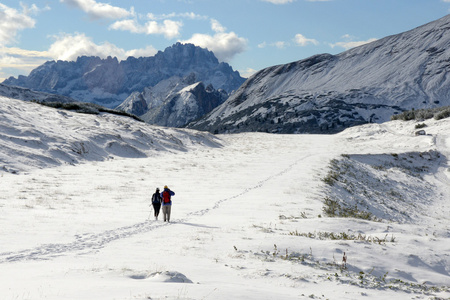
{"x":248,"y":34}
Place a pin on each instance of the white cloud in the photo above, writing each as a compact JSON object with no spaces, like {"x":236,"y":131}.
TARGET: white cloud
{"x":161,"y":24}
{"x":127,"y":25}
{"x":262,"y":45}
{"x":247,"y":72}
{"x":98,"y":10}
{"x":279,"y":1}
{"x":290,"y":1}
{"x":33,"y":9}
{"x":17,"y":52}
{"x":20,"y":60}
{"x":224,"y":45}
{"x":69,"y":47}
{"x":279,"y":45}
{"x":187,"y":15}
{"x":301,"y":40}
{"x":147,"y":51}
{"x":192,"y":16}
{"x":349,"y":43}
{"x":216,"y":26}
{"x":12,"y":21}
{"x":168,"y":28}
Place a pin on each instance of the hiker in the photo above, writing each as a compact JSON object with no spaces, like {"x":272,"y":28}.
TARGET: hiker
{"x":344,"y":261}
{"x":156,"y":202}
{"x":166,"y":203}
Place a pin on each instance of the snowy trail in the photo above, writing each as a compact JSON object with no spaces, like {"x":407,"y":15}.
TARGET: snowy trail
{"x":82,"y":243}
{"x":442,"y":176}
{"x":91,"y":242}
{"x":248,"y":214}
{"x":247,"y":190}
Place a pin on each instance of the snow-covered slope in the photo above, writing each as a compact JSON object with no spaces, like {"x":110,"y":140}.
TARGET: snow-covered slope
{"x":109,"y":82}
{"x":34,"y":136}
{"x":248,"y":217}
{"x":326,"y":93}
{"x":29,"y":95}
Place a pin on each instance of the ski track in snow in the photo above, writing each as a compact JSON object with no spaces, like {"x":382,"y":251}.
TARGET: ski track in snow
{"x":92,"y":242}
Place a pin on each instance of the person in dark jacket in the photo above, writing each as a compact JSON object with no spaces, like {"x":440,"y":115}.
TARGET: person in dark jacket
{"x":156,"y":202}
{"x":166,"y":196}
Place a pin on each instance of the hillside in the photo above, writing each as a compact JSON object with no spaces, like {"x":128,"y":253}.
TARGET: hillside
{"x":328,"y":93}
{"x":25,"y":94}
{"x":35,"y":136}
{"x":249,"y":217}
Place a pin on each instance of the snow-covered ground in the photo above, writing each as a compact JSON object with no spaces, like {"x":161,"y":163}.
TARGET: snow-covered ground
{"x":247,"y":220}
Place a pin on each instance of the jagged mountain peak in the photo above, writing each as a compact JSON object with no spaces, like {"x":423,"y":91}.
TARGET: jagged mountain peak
{"x":109,"y":81}
{"x":179,"y":53}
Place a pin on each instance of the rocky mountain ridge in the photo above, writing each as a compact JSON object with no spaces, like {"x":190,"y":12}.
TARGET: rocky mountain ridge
{"x":109,"y":82}
{"x":327,"y":93}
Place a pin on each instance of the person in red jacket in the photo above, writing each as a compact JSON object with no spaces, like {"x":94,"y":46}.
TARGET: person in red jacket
{"x":166,"y":196}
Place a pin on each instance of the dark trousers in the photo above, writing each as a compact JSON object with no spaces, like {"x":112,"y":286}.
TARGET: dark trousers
{"x":156,"y":208}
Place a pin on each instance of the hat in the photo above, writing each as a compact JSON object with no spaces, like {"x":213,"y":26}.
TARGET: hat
{"x":166,"y":187}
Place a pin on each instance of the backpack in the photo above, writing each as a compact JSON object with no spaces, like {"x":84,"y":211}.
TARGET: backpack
{"x":156,"y":198}
{"x":166,"y":197}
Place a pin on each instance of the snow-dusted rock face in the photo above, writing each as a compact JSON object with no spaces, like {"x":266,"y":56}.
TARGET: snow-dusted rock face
{"x":174,"y":102}
{"x":186,"y":105}
{"x":327,"y":93}
{"x":109,"y":82}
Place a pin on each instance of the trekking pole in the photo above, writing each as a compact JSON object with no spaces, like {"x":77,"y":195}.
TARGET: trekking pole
{"x":150,"y":214}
